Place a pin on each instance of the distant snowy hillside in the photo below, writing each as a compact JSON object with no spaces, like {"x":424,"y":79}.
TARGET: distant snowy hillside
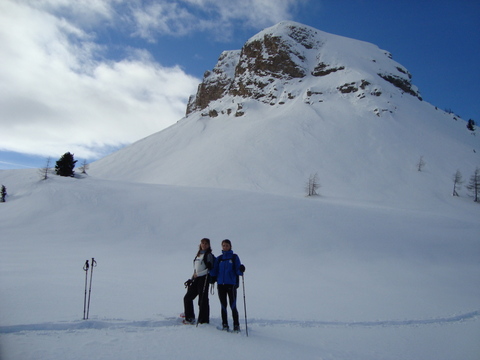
{"x":296,"y":101}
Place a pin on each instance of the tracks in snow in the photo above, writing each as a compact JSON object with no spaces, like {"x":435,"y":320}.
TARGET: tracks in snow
{"x":173,"y":321}
{"x":384,"y":323}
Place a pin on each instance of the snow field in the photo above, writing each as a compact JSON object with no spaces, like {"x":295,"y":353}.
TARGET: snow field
{"x":325,"y":278}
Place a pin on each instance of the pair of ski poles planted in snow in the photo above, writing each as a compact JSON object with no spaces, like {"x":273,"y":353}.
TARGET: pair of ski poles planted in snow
{"x":86,"y":304}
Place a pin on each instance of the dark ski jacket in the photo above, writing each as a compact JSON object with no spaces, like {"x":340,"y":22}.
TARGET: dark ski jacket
{"x":227,"y":268}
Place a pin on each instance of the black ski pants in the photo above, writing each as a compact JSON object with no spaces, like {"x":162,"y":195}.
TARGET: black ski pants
{"x":229,"y":291}
{"x":197,"y":289}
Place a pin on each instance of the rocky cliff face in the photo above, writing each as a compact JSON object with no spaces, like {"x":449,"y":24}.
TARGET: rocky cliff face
{"x":290,"y":61}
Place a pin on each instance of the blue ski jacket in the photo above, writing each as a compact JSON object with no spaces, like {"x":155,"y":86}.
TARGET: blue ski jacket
{"x":227,"y":268}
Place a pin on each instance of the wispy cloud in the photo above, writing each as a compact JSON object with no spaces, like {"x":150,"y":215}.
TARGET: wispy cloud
{"x":164,"y":18}
{"x":217,"y":17}
{"x":8,"y":165}
{"x":58,"y":94}
{"x":151,"y":18}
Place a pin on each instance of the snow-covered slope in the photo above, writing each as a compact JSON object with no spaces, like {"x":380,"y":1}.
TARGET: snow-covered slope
{"x":324,"y":279}
{"x":297,"y":101}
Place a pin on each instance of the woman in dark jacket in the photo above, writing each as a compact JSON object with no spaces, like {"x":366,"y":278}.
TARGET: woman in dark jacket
{"x":198,"y":286}
{"x":226,"y":273}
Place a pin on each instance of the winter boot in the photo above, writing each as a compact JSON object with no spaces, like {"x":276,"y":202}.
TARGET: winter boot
{"x":189,"y":321}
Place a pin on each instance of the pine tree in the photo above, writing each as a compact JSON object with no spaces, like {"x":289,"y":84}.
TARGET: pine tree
{"x":474,"y":184}
{"x":3,"y":193}
{"x":471,"y":125}
{"x":65,"y":165}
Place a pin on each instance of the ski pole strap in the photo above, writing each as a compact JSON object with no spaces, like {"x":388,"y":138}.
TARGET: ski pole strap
{"x":86,"y":266}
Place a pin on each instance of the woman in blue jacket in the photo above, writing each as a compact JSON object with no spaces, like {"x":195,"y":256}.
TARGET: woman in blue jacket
{"x":226,"y":272}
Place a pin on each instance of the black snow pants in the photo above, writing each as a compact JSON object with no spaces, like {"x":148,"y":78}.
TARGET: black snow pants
{"x":229,"y":291}
{"x":197,"y":289}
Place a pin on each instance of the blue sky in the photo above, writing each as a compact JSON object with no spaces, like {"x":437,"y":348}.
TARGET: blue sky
{"x":90,"y":76}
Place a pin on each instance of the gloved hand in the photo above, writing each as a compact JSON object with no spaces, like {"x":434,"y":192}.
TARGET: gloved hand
{"x":212,"y":279}
{"x":188,"y":283}
{"x":242,"y":268}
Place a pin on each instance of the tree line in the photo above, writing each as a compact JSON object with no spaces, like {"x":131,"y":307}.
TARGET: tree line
{"x":66,"y":164}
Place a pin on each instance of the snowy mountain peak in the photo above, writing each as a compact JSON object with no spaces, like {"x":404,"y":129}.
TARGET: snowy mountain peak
{"x":291,"y":61}
{"x":293,"y":102}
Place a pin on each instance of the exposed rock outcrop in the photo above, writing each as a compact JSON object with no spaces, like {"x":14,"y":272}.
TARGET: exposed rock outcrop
{"x":274,"y":65}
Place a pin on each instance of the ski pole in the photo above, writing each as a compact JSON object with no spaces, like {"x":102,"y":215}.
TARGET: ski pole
{"x":94,"y":263}
{"x":85,"y":268}
{"x":203,"y":296}
{"x":245,"y":304}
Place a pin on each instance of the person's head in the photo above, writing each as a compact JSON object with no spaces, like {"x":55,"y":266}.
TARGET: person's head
{"x":204,"y":245}
{"x":226,"y":245}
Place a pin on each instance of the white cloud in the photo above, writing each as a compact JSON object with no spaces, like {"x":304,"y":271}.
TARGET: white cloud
{"x":216,"y":16}
{"x":58,"y":93}
{"x":85,"y":12}
{"x":256,"y":13}
{"x":163,"y":18}
{"x":56,"y":96}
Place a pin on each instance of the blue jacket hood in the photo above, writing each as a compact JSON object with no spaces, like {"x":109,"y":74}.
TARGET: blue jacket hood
{"x":227,"y":254}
